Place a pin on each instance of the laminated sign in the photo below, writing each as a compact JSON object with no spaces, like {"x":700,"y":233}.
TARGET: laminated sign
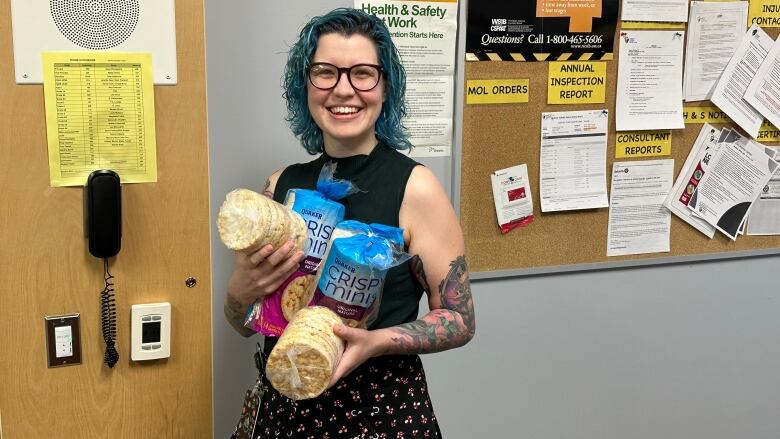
{"x":540,"y":30}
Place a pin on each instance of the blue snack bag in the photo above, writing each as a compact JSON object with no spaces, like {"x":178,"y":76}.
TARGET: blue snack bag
{"x":351,"y":280}
{"x":321,"y":211}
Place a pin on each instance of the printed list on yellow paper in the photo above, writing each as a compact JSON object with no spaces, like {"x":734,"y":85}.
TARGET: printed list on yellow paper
{"x":99,"y":115}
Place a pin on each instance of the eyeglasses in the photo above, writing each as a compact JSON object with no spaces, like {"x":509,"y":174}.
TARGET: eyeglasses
{"x":362,"y":77}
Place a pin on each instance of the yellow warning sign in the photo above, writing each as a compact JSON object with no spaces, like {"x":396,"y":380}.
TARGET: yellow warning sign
{"x":630,"y":144}
{"x":710,"y":114}
{"x":577,"y":83}
{"x":765,"y":13}
{"x":497,"y":91}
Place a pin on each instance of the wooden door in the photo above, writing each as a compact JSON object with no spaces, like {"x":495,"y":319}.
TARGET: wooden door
{"x":46,"y":269}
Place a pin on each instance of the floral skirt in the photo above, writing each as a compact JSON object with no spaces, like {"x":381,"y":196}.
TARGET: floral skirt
{"x":386,"y":397}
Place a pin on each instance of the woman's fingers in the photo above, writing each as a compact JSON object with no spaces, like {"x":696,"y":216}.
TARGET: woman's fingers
{"x":281,"y":254}
{"x":285,"y":270}
{"x":291,"y":264}
{"x":259,"y":256}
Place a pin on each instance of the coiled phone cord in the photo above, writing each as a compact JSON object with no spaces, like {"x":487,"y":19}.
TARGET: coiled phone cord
{"x":108,"y":317}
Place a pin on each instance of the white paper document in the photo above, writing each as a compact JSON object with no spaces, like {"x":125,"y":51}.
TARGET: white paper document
{"x":638,"y":221}
{"x":573,"y":160}
{"x":714,"y":33}
{"x":654,"y":10}
{"x":740,"y":71}
{"x":512,"y":197}
{"x":692,"y":171}
{"x":763,"y":93}
{"x":764,"y":217}
{"x":736,"y":175}
{"x":649,"y":86}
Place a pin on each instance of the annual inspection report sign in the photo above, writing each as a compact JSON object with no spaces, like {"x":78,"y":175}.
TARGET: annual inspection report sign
{"x":577,"y":83}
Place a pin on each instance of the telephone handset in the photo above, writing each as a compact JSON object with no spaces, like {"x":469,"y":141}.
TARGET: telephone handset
{"x":103,"y":228}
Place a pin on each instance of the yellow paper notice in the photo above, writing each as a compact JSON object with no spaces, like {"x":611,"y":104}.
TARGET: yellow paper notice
{"x":765,"y":13}
{"x":630,"y":144}
{"x":705,"y":114}
{"x":577,"y":82}
{"x":497,"y":91}
{"x":711,"y":114}
{"x":651,"y":25}
{"x":768,"y":133}
{"x":99,"y":115}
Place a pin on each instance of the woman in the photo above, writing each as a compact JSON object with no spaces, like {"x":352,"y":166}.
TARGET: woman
{"x":344,"y":86}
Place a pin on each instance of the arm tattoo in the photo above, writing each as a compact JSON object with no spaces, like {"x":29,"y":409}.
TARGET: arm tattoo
{"x":235,"y":316}
{"x":419,"y":272}
{"x":455,"y":292}
{"x":448,"y":327}
{"x":266,"y":192}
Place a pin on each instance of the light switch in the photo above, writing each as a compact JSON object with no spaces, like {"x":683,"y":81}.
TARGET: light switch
{"x":63,"y":340}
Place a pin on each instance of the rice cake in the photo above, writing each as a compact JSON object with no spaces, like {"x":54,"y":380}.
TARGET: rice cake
{"x":303,"y":361}
{"x":248,"y":221}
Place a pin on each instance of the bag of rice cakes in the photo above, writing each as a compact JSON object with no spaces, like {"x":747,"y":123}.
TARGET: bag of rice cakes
{"x":248,"y":221}
{"x":302,"y":363}
{"x":320,"y":212}
{"x":351,"y":280}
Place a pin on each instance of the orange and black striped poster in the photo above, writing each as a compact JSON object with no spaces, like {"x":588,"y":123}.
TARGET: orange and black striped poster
{"x":540,"y":30}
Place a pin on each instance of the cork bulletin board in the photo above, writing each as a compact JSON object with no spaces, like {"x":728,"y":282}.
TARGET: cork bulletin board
{"x":498,"y":136}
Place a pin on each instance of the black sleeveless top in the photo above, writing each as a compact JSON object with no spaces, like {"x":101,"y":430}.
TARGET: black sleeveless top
{"x":381,"y":177}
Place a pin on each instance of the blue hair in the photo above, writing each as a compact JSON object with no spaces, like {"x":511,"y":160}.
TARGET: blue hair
{"x":346,"y":22}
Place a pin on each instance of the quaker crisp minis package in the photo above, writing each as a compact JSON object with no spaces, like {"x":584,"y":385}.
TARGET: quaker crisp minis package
{"x":321,"y":214}
{"x":350,"y":281}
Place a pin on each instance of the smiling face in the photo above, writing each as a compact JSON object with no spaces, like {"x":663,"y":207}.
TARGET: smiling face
{"x":346,"y":116}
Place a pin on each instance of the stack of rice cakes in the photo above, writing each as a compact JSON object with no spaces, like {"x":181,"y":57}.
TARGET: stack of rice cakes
{"x":248,"y":221}
{"x":303,"y":361}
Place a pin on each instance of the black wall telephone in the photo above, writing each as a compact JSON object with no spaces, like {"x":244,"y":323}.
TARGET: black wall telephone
{"x":103,"y":228}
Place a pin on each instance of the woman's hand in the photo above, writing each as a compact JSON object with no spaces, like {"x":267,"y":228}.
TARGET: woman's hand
{"x":360,"y":345}
{"x":260,"y":274}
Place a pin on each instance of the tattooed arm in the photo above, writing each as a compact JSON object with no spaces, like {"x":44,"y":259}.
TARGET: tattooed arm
{"x":433,"y":234}
{"x":436,"y":240}
{"x":234,"y":314}
{"x":268,"y":189}
{"x":450,"y":322}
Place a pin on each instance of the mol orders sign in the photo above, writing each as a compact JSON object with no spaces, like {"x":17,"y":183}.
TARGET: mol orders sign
{"x":539,"y":30}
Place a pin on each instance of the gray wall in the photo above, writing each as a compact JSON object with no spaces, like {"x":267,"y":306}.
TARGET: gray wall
{"x":678,"y":351}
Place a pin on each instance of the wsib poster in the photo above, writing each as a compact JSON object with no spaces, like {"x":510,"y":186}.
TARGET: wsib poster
{"x":531,"y":30}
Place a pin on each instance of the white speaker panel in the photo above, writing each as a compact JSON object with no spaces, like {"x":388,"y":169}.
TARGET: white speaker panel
{"x":101,"y":25}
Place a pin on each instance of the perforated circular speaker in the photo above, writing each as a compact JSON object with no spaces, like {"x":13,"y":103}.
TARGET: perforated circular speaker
{"x":95,"y":24}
